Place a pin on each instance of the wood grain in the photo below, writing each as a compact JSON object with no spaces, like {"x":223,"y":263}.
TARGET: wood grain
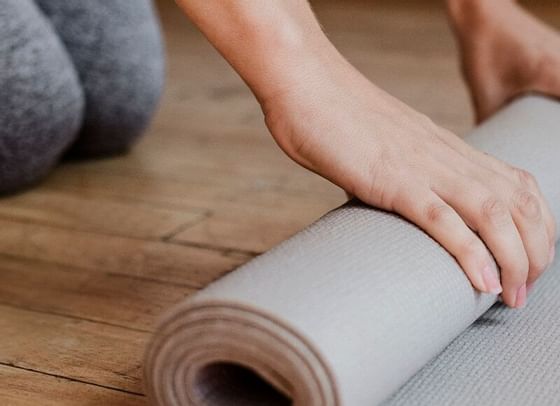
{"x":91,"y":257}
{"x":151,"y":260}
{"x":108,"y":298}
{"x":78,"y":349}
{"x":19,"y":387}
{"x":96,"y":215}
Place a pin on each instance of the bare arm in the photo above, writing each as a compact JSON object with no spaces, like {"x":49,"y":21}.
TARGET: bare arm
{"x":271,"y":44}
{"x":329,"y":118}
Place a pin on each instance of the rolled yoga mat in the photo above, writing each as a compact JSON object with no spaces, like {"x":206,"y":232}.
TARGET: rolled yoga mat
{"x":354,"y":306}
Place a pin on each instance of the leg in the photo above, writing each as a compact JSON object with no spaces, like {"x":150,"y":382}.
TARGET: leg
{"x":41,"y":101}
{"x":505,"y":52}
{"x":116,"y":48}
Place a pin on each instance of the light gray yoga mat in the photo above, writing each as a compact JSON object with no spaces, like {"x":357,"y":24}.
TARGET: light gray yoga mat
{"x":351,"y":308}
{"x":506,"y":357}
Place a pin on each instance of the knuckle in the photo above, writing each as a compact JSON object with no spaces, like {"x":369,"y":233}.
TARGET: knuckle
{"x":525,"y":178}
{"x":527,"y":204}
{"x":495,"y":210}
{"x":471,"y":247}
{"x":436,"y":212}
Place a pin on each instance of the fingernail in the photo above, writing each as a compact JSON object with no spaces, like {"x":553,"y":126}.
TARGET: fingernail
{"x":521,"y":297}
{"x":552,"y":254}
{"x":491,"y":281}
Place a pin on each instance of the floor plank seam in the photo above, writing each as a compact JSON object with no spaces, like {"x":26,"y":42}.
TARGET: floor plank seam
{"x":83,"y":268}
{"x":70,"y":379}
{"x":153,"y":280}
{"x":70,"y":268}
{"x":133,"y":200}
{"x":183,"y":227}
{"x":47,"y":224}
{"x":210,"y":247}
{"x":74,"y":317}
{"x":227,"y":251}
{"x":71,"y":192}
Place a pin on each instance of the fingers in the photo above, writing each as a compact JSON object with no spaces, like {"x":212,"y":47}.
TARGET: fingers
{"x":492,"y":219}
{"x":472,"y":203}
{"x":525,"y":181}
{"x":528,"y":217}
{"x":511,"y":223}
{"x":528,"y":201}
{"x":424,"y":208}
{"x":516,"y":175}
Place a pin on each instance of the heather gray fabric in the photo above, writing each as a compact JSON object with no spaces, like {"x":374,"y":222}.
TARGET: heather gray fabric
{"x":106,"y":54}
{"x":348,"y":310}
{"x":41,"y":101}
{"x":117,"y":50}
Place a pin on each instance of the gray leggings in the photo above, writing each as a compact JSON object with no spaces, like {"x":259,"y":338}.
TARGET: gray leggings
{"x":78,"y":78}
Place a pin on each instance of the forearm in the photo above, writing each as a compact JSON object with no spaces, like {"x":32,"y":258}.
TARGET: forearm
{"x":271,"y":44}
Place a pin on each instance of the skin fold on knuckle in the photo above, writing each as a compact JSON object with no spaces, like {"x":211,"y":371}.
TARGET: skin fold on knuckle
{"x":495,"y":212}
{"x":527,"y":205}
{"x":526,"y":179}
{"x":436,"y":212}
{"x":473,"y":249}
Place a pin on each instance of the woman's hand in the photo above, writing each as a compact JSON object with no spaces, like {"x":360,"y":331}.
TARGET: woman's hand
{"x":326,"y":116}
{"x":336,"y":123}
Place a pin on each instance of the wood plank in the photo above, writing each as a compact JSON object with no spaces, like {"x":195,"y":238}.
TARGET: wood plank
{"x":199,"y":193}
{"x":262,"y":216}
{"x":19,"y":387}
{"x":253,"y":229}
{"x":84,"y":213}
{"x":255,"y":234}
{"x":81,"y":350}
{"x":152,"y":260}
{"x":230,"y":174}
{"x":103,"y":297}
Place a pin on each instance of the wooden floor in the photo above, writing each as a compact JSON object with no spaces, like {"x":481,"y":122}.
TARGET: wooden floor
{"x":89,"y":259}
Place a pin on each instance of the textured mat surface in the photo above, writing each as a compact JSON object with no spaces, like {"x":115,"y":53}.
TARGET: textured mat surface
{"x":506,"y":357}
{"x":348,"y":310}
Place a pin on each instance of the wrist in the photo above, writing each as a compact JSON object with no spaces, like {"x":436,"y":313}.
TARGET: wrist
{"x":287,"y":56}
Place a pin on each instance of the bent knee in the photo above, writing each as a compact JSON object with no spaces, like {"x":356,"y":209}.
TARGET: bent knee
{"x":118,"y":52}
{"x":32,"y":144}
{"x":115,"y":119}
{"x":41,"y":102}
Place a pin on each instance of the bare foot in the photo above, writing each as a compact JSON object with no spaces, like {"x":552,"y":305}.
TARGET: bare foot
{"x":505,"y":52}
